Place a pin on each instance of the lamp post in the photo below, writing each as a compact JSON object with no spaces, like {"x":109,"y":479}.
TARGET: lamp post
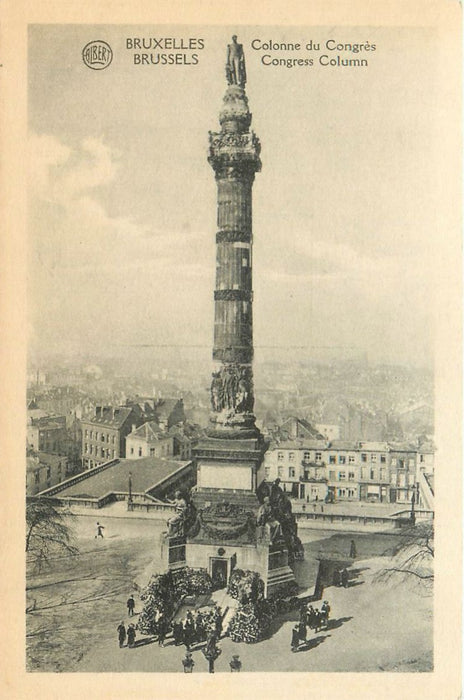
{"x":211,"y":653}
{"x":130,"y":487}
{"x":413,"y":513}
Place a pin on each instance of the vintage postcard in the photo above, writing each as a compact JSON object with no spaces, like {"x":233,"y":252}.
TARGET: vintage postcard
{"x":232,"y":388}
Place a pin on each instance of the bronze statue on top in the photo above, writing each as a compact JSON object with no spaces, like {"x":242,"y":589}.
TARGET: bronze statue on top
{"x":235,"y":66}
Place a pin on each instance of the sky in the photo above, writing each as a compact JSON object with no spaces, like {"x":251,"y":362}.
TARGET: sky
{"x":122,"y":201}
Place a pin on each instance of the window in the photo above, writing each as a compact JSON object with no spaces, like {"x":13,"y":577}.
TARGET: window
{"x":351,"y":459}
{"x":342,"y":492}
{"x":383,"y":474}
{"x":342,"y":459}
{"x":351,"y":493}
{"x":373,"y":458}
{"x":306,"y":456}
{"x":393,"y":478}
{"x":140,"y":451}
{"x":291,"y":456}
{"x":291,"y":472}
{"x":280,"y":456}
{"x":91,"y":434}
{"x":244,"y":307}
{"x":113,"y":453}
{"x":422,"y":458}
{"x":411,"y":479}
{"x":107,"y":437}
{"x":411,"y":463}
{"x":91,"y":449}
{"x":244,"y":262}
{"x":332,"y":459}
{"x":372,"y":474}
{"x":332,"y":476}
{"x":318,"y":456}
{"x":280,"y":471}
{"x":132,"y":451}
{"x":49,"y":472}
{"x":103,"y":437}
{"x":341,"y":476}
{"x":267,"y":472}
{"x":152,"y":451}
{"x":86,"y":433}
{"x":86,"y":447}
{"x":350,"y":476}
{"x":363,"y":458}
{"x":37,"y":477}
{"x":363,"y":472}
{"x":112,"y":439}
{"x":383,"y":459}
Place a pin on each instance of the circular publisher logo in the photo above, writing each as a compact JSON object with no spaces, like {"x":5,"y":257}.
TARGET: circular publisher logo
{"x":97,"y":55}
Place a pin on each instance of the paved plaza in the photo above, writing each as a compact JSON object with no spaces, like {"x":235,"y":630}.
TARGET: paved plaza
{"x":372,"y":627}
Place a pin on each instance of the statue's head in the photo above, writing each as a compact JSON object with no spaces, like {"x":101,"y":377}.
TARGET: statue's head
{"x":234,"y":38}
{"x":178,"y":494}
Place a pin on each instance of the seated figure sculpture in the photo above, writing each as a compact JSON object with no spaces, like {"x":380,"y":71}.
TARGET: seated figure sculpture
{"x":176,"y":522}
{"x":266,"y":516}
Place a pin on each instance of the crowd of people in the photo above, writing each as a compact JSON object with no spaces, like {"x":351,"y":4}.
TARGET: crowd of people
{"x":198,"y":627}
{"x":311,"y":618}
{"x":195,"y":628}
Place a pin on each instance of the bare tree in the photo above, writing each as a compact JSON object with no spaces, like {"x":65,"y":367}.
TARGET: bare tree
{"x":47,"y":532}
{"x":412,"y":556}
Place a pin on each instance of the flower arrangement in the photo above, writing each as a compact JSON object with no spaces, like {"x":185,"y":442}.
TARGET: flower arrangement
{"x":165,"y":591}
{"x":246,"y":586}
{"x":251,"y":621}
{"x":188,"y":581}
{"x":159,"y":599}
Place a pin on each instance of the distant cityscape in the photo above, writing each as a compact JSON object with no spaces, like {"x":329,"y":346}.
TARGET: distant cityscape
{"x":317,"y":417}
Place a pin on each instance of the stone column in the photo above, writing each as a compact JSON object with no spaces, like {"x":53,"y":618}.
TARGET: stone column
{"x":234,"y":155}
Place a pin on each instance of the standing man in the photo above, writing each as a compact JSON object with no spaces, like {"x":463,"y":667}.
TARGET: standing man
{"x":130,"y":606}
{"x":100,"y":529}
{"x":235,"y":664}
{"x":121,"y":634}
{"x":295,"y":643}
{"x":131,"y":636}
{"x":188,"y":663}
{"x":353,"y":550}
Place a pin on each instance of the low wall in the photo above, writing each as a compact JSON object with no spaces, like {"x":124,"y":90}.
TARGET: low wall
{"x":153,"y":508}
{"x":338,"y":521}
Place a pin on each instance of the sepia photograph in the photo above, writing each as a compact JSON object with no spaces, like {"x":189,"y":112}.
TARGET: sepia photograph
{"x":233,"y":361}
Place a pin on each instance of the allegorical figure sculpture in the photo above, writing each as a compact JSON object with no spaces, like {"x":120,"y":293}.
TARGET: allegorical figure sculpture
{"x":217,"y":392}
{"x":176,"y":522}
{"x":232,"y":389}
{"x":235,"y":66}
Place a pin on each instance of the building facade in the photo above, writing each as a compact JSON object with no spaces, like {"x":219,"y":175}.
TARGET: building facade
{"x":104,"y":435}
{"x":376,"y":472}
{"x":149,"y":441}
{"x":44,"y":470}
{"x":47,"y":433}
